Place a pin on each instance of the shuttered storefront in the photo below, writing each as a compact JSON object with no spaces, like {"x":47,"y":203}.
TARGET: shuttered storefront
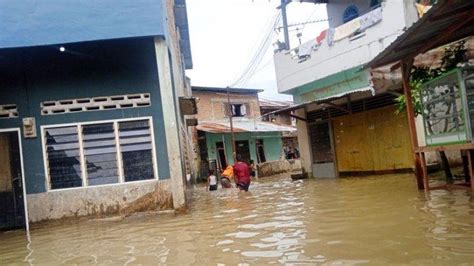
{"x":372,"y":139}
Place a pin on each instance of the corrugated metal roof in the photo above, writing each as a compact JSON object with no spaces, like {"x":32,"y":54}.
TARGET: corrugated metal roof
{"x":220,"y":89}
{"x":322,"y":100}
{"x":243,"y":125}
{"x":266,"y":103}
{"x":446,"y":22}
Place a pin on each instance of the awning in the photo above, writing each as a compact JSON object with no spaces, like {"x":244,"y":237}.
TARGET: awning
{"x":242,"y":125}
{"x":322,"y":100}
{"x":446,"y":22}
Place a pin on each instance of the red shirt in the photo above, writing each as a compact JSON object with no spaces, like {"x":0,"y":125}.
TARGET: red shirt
{"x":242,"y":173}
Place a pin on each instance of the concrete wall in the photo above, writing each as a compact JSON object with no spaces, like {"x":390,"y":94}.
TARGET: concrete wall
{"x":328,"y":60}
{"x":336,"y":10}
{"x":211,"y":104}
{"x":304,"y":143}
{"x":272,"y":144}
{"x":100,"y":201}
{"x":31,"y":76}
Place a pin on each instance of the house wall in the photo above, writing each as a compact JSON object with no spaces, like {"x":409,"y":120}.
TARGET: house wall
{"x":328,"y":60}
{"x":336,"y":10}
{"x":31,"y":76}
{"x":211,"y":104}
{"x":273,"y":145}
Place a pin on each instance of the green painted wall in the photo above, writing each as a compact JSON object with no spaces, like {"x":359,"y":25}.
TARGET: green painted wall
{"x":32,"y":75}
{"x":272,"y":143}
{"x":340,"y":82}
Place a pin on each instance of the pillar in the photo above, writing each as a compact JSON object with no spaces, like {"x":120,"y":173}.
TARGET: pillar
{"x":171,"y":123}
{"x":304,"y":144}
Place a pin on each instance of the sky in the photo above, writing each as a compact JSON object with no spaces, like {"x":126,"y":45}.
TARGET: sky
{"x":226,"y":33}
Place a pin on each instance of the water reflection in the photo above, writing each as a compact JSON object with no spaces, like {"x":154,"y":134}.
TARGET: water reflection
{"x":376,"y":220}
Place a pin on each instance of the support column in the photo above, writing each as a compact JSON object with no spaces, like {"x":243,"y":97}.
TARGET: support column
{"x":406,"y":71}
{"x":304,"y":144}
{"x":470,"y":167}
{"x":170,"y":119}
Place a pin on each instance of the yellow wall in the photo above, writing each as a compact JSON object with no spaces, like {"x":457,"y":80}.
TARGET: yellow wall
{"x":374,"y":140}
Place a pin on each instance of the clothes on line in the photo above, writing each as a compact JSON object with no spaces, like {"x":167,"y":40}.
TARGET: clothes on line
{"x":345,"y":30}
{"x":370,"y":19}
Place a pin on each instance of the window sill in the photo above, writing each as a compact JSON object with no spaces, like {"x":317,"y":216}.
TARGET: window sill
{"x":107,"y":185}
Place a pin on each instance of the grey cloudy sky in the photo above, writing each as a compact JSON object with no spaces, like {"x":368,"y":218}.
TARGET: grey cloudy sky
{"x":225,"y":34}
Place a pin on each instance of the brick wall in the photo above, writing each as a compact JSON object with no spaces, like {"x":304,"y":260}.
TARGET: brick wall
{"x":211,"y":104}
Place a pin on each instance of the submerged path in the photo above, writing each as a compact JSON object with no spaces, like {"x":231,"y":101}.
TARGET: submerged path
{"x":375,"y":220}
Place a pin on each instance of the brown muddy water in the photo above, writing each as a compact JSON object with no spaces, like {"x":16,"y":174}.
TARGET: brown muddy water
{"x":374,"y":220}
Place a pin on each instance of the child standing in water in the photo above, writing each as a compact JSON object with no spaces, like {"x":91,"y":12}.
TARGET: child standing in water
{"x":211,"y":181}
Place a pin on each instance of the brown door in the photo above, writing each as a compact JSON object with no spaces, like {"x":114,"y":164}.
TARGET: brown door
{"x":12,"y":212}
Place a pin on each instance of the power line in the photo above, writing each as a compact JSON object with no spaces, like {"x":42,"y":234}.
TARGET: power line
{"x":259,"y":54}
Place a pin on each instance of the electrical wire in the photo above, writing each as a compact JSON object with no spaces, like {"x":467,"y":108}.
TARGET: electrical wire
{"x":259,"y":54}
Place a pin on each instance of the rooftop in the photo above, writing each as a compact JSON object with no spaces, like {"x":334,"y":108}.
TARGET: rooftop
{"x":242,"y":125}
{"x":446,"y":22}
{"x":47,"y":22}
{"x":231,"y":90}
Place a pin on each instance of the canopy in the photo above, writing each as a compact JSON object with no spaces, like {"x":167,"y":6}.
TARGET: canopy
{"x":244,"y":125}
{"x":446,"y":22}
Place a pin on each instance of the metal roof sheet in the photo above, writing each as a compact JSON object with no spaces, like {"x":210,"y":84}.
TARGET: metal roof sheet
{"x":221,"y":89}
{"x":243,"y":125}
{"x":446,"y":22}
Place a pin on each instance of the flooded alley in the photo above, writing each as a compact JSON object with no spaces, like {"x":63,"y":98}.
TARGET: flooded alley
{"x":375,"y":220}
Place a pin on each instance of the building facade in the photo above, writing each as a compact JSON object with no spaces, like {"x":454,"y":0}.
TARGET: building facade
{"x":290,"y":139}
{"x":90,"y":121}
{"x":255,"y":140}
{"x":347,"y":121}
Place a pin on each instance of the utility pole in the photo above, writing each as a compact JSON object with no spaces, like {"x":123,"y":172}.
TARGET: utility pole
{"x":285,"y":23}
{"x":234,"y":155}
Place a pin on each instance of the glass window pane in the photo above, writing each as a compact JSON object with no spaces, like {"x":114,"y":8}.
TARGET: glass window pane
{"x":136,"y":149}
{"x":64,"y":161}
{"x":100,"y":153}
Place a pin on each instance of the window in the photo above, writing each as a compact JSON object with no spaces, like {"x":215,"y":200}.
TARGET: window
{"x":238,"y":109}
{"x":136,"y":148}
{"x":350,"y":13}
{"x":99,"y":153}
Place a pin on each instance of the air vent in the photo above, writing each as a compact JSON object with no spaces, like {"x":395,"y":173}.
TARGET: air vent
{"x":8,"y":111}
{"x":95,"y":104}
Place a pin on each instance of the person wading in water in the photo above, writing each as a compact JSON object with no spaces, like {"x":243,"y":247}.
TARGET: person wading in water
{"x":241,"y":174}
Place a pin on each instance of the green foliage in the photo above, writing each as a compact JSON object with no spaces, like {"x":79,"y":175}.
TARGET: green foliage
{"x":453,"y":55}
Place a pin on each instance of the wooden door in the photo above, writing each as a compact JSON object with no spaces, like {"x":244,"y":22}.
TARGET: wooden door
{"x":374,"y":140}
{"x":351,"y":141}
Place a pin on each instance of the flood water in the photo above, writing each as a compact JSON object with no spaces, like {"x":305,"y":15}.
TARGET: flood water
{"x":373,"y":220}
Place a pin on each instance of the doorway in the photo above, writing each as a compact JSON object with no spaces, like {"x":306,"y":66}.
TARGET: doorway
{"x":221,"y":158}
{"x":242,"y":147}
{"x":260,"y":151}
{"x":322,"y":150}
{"x":12,"y":198}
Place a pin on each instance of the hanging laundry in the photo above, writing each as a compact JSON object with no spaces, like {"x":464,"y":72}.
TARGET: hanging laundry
{"x":330,"y":36}
{"x":422,"y":9}
{"x":321,"y":37}
{"x":346,"y":29}
{"x":305,"y":49}
{"x":370,"y":19}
